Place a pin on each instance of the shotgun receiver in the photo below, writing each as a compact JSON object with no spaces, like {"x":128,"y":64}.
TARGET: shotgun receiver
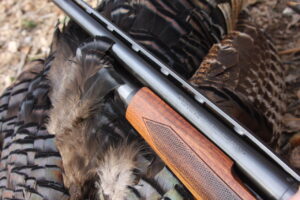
{"x":174,"y":118}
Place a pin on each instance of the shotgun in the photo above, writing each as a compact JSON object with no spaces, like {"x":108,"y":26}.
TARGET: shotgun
{"x":211,"y":156}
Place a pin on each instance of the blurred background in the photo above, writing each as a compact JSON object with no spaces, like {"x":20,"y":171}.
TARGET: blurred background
{"x":25,"y":34}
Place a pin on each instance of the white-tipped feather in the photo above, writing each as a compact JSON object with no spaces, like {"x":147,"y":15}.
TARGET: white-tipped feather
{"x":116,"y":171}
{"x":231,"y":11}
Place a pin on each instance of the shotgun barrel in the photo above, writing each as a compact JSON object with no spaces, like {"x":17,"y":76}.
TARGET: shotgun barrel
{"x":275,"y":180}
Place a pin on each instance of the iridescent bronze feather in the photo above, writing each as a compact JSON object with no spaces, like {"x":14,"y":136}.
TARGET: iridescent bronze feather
{"x":244,"y":76}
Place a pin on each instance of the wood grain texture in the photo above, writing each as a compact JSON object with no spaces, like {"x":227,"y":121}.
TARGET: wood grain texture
{"x":203,"y":168}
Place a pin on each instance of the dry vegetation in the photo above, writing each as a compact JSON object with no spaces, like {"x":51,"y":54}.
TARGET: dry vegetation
{"x":25,"y":34}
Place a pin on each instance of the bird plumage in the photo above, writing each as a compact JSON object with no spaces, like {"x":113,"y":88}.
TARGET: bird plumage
{"x":81,"y":119}
{"x":115,"y":171}
{"x":178,"y":32}
{"x":282,"y":26}
{"x":177,"y":29}
{"x":183,"y":37}
{"x":30,"y":166}
{"x":245,"y":72}
{"x":102,"y":156}
{"x":31,"y":162}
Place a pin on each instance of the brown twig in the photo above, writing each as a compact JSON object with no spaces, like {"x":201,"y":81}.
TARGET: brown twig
{"x":289,"y":51}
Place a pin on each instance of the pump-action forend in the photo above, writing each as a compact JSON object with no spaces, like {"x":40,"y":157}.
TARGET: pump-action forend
{"x":208,"y":149}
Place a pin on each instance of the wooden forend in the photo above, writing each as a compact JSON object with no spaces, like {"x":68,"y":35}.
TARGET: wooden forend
{"x":202,"y":167}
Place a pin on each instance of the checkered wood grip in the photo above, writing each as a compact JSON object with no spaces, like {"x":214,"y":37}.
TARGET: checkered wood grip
{"x":203,"y":168}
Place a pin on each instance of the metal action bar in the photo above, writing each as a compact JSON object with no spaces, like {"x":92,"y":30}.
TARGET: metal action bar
{"x":273,"y":181}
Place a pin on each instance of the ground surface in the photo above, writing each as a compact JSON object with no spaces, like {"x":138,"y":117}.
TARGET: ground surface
{"x":25,"y":34}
